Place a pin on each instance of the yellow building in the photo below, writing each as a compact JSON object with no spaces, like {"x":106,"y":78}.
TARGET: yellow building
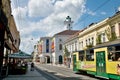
{"x":99,"y":49}
{"x":96,"y":33}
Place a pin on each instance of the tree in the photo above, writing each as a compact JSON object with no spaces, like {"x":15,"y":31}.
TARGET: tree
{"x":98,"y":39}
{"x":66,"y":52}
{"x":66,"y":56}
{"x":110,"y":35}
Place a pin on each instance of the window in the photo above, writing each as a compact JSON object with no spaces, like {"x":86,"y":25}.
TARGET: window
{"x":60,"y":46}
{"x":47,"y":41}
{"x":72,"y":46}
{"x":79,"y":45}
{"x":92,"y":40}
{"x":114,"y":53}
{"x":82,"y":44}
{"x":47,"y":48}
{"x":103,"y":37}
{"x":113,"y":29}
{"x":89,"y":41}
{"x":47,"y":45}
{"x":119,"y":29}
{"x":60,"y":40}
{"x":75,"y":45}
{"x":86,"y":42}
{"x":90,"y":55}
{"x":15,"y":41}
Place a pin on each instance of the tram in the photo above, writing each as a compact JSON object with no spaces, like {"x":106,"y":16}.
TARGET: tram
{"x":101,"y":61}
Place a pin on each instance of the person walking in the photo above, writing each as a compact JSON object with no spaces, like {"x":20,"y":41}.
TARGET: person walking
{"x":32,"y":66}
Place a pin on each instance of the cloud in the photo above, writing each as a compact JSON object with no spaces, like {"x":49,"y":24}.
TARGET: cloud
{"x":18,"y":3}
{"x":103,"y":13}
{"x":19,"y":15}
{"x":40,"y":8}
{"x":51,"y":17}
{"x":88,"y":11}
{"x":28,"y":43}
{"x":119,"y":8}
{"x":55,"y":20}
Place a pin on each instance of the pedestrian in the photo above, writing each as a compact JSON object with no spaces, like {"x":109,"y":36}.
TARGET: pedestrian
{"x":32,"y":66}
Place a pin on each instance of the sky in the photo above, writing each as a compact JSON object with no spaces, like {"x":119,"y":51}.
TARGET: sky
{"x":41,"y":18}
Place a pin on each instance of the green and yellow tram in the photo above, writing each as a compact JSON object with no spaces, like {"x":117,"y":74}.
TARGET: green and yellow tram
{"x":102,"y":60}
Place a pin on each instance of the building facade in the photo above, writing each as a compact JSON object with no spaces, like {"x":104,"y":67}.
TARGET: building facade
{"x":57,"y":45}
{"x":96,"y":33}
{"x":44,"y":49}
{"x":35,"y":57}
{"x":9,"y":35}
{"x":72,"y":45}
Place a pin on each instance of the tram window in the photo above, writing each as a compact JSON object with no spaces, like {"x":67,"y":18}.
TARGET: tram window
{"x":117,"y":48}
{"x":114,"y":54}
{"x":89,"y":55}
{"x":81,"y":56}
{"x":118,"y":56}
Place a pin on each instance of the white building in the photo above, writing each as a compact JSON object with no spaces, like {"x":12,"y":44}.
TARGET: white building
{"x":57,"y":45}
{"x":34,"y":54}
{"x":44,"y":49}
{"x":72,"y":45}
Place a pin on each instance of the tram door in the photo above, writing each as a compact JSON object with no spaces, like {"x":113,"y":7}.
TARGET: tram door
{"x":100,"y":63}
{"x":74,"y":63}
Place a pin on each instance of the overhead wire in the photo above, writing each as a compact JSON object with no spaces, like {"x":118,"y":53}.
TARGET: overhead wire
{"x":100,"y":6}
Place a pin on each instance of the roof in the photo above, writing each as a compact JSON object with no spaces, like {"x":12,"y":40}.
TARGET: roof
{"x":67,"y":32}
{"x":45,"y":37}
{"x":74,"y":36}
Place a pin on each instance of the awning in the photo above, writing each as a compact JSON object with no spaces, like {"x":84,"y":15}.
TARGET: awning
{"x":20,"y":54}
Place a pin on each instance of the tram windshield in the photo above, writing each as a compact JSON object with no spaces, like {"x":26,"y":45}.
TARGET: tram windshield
{"x":114,"y":53}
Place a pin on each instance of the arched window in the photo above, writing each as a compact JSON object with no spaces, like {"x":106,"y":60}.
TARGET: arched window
{"x":60,"y":46}
{"x":60,"y":59}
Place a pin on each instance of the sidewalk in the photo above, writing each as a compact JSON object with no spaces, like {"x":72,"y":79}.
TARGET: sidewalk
{"x":30,"y":75}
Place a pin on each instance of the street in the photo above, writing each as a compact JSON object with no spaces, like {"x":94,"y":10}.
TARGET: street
{"x":59,"y":39}
{"x":50,"y":72}
{"x":61,"y":73}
